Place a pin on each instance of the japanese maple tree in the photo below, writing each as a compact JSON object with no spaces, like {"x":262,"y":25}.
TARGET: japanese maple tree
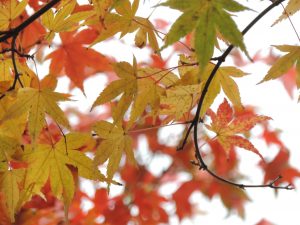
{"x":45,"y":156}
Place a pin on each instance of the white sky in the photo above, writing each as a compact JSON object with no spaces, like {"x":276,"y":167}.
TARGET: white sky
{"x":271,"y":99}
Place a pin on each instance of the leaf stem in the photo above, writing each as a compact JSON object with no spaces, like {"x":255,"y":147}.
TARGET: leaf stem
{"x":158,"y":126}
{"x":291,"y":22}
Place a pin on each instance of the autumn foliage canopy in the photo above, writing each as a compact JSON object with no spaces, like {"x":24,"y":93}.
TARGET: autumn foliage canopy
{"x":46,"y":156}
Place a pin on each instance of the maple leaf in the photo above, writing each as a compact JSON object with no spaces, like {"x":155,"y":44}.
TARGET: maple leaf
{"x":284,"y":63}
{"x":12,"y":128}
{"x":148,"y":93}
{"x":102,"y":8}
{"x":124,"y":21}
{"x":271,"y":137}
{"x":135,"y":86}
{"x":226,"y":127}
{"x":32,"y":35}
{"x":149,"y":203}
{"x":75,"y":60}
{"x":37,"y":102}
{"x":9,"y":184}
{"x":205,"y":17}
{"x":8,"y":147}
{"x":222,"y":79}
{"x":63,"y":20}
{"x":280,"y":166}
{"x":289,"y":81}
{"x":184,"y":207}
{"x":50,"y":161}
{"x":115,"y":141}
{"x":292,"y":7}
{"x":10,"y":10}
{"x":144,"y":33}
{"x":225,"y":162}
{"x":120,"y":209}
{"x":127,"y":86}
{"x":180,"y":99}
{"x":121,"y":22}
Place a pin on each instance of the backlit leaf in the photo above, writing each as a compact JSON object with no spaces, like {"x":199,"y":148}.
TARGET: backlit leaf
{"x":10,"y":10}
{"x":115,"y":142}
{"x":284,"y":63}
{"x":205,"y":17}
{"x":9,"y":184}
{"x":226,"y":126}
{"x":36,"y":103}
{"x":50,"y":162}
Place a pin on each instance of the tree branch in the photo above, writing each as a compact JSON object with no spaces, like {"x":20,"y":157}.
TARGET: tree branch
{"x":202,"y":165}
{"x":14,"y":34}
{"x":15,"y":31}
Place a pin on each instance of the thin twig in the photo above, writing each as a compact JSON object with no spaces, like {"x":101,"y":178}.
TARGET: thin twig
{"x":27,"y":56}
{"x":158,"y":126}
{"x":13,"y":57}
{"x":64,"y":136}
{"x":294,"y":28}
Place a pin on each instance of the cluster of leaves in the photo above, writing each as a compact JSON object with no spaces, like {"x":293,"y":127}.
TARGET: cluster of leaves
{"x":42,"y":156}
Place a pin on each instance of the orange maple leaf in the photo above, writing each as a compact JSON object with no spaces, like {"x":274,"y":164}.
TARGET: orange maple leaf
{"x":75,"y":60}
{"x":226,"y":127}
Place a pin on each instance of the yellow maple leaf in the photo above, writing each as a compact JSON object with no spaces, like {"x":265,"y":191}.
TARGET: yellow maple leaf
{"x":102,"y":7}
{"x":126,"y":87}
{"x":284,"y":63}
{"x":36,"y":103}
{"x":137,"y":87}
{"x":10,"y":10}
{"x":50,"y":161}
{"x":292,"y":7}
{"x":146,"y":33}
{"x":148,"y":93}
{"x":9,"y":185}
{"x":13,"y":128}
{"x":122,"y":21}
{"x":114,"y":142}
{"x":222,"y":79}
{"x":8,"y":147}
{"x":63,"y":20}
{"x":180,"y":99}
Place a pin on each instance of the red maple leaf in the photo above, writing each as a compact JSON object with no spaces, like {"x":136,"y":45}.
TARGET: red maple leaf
{"x":184,"y":207}
{"x":279,"y":166}
{"x":74,"y":59}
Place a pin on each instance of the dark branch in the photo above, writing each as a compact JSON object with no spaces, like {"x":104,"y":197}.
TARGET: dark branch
{"x":27,"y":56}
{"x":202,"y":165}
{"x":15,"y":31}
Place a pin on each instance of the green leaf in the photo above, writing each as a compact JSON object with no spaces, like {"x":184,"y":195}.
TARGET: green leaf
{"x":205,"y":17}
